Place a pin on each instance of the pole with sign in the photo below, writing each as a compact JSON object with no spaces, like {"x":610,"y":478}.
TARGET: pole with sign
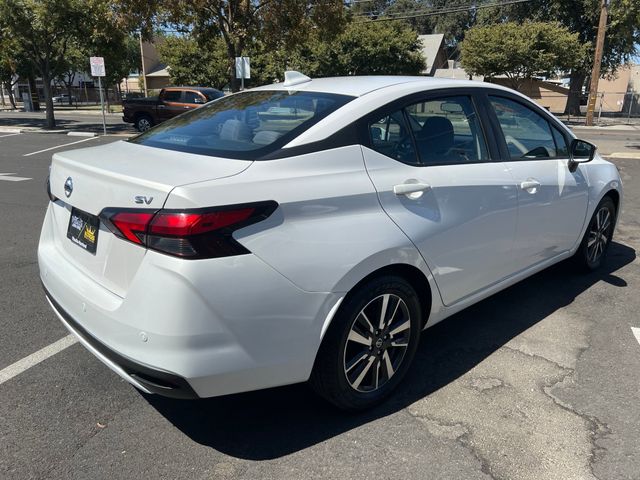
{"x":243,"y":70}
{"x":98,"y":70}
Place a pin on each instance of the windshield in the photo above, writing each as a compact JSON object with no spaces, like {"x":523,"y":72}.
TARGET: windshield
{"x":247,"y":125}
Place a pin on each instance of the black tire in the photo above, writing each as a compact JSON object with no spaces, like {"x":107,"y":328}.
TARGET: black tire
{"x":143,"y":123}
{"x":595,"y":244}
{"x":341,"y":360}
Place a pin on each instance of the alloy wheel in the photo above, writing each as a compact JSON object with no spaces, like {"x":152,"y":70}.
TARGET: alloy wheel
{"x":599,"y":233}
{"x":144,"y":124}
{"x":377,"y":342}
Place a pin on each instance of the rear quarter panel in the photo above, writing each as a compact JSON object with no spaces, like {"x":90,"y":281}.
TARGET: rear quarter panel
{"x":329,"y":230}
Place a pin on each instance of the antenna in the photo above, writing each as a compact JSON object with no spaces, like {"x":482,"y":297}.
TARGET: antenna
{"x":291,"y":77}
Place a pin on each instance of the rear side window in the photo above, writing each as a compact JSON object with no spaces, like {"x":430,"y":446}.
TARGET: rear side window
{"x":171,"y":95}
{"x":526,"y":132}
{"x":247,"y":125}
{"x":447,"y":131}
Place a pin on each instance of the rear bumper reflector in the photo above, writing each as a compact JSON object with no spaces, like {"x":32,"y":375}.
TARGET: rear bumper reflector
{"x":154,"y":381}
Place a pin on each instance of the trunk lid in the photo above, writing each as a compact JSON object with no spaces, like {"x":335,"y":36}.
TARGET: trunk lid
{"x":113,"y":176}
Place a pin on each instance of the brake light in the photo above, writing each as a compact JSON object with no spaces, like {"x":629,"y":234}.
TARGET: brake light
{"x":132,"y":225}
{"x":201,"y":233}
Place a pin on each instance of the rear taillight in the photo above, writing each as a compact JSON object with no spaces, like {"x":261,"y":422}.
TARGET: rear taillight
{"x":200,"y":233}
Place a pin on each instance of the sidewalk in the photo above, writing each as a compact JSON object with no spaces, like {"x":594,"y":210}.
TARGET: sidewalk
{"x":66,"y":121}
{"x":606,"y":128}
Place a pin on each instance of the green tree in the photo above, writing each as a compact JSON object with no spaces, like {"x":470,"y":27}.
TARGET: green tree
{"x":121,"y":54}
{"x":240,"y":23}
{"x":581,"y":17}
{"x":74,"y":62}
{"x":189,"y":64}
{"x":356,"y":51}
{"x":359,"y":51}
{"x":48,"y":29}
{"x":520,"y":51}
{"x":622,"y":36}
{"x":13,"y":64}
{"x":45,"y":29}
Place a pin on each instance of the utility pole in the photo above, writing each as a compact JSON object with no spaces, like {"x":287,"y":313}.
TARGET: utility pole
{"x":597,"y":61}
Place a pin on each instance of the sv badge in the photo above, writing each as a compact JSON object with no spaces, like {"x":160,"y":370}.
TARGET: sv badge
{"x":142,"y":199}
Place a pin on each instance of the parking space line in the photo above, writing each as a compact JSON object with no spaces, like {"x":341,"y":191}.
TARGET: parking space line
{"x":35,"y":358}
{"x":58,"y":146}
{"x":8,"y":178}
{"x":10,"y":135}
{"x":636,"y":333}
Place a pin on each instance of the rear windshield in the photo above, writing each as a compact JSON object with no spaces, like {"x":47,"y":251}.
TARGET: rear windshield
{"x":247,"y":125}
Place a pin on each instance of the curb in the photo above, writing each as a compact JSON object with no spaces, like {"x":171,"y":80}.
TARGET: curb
{"x":82,"y":134}
{"x":633,"y":155}
{"x":606,"y":128}
{"x":71,"y":133}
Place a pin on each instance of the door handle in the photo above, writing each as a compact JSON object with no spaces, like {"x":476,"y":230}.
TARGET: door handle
{"x":530,"y":185}
{"x":411,"y":188}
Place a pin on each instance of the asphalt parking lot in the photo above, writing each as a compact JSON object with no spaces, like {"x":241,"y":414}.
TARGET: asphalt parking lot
{"x":540,"y":381}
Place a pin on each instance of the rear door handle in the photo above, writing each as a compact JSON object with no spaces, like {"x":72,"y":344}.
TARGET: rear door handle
{"x":530,"y":185}
{"x":411,"y":188}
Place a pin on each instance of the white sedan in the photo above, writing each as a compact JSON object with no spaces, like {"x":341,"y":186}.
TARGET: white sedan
{"x":312,"y":229}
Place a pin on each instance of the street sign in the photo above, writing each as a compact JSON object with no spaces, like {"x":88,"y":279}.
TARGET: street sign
{"x":97,"y":66}
{"x":243,"y":67}
{"x":97,"y":70}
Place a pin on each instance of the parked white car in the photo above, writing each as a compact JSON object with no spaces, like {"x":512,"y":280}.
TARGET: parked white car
{"x":64,"y":98}
{"x":233,"y":249}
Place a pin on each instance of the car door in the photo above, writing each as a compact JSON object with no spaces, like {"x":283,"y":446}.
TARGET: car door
{"x":432,"y":167}
{"x":171,"y":104}
{"x":552,"y":199}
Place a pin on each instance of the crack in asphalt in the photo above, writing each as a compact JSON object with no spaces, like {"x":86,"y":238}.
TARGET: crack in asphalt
{"x":463,"y":440}
{"x":596,"y":428}
{"x":541,"y":357}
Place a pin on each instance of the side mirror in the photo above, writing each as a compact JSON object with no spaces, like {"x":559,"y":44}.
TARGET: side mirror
{"x":580,"y":151}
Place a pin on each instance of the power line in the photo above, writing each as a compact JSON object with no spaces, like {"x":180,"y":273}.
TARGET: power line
{"x":438,"y":11}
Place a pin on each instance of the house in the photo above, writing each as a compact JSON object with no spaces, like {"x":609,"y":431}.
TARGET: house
{"x":433,"y":52}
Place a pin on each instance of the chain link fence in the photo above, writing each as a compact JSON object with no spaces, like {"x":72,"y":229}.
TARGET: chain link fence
{"x":83,"y":97}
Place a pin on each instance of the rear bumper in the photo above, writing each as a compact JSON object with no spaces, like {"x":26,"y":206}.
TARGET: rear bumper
{"x":147,"y":379}
{"x":189,"y":329}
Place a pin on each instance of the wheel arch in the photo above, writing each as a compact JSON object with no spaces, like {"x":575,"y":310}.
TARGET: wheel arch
{"x":412,"y":274}
{"x":139,"y":115}
{"x":615,"y":196}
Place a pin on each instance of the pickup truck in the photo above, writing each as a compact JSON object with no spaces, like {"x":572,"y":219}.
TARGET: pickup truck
{"x":144,"y":113}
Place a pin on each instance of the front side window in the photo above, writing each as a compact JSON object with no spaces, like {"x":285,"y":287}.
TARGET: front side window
{"x":391,"y":136}
{"x":562,"y":150}
{"x":247,"y":125}
{"x":171,"y":95}
{"x":526,"y":132}
{"x":447,"y":131}
{"x":193,"y":97}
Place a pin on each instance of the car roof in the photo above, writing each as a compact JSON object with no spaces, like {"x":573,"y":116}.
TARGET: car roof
{"x":200,"y":89}
{"x":370,"y":93}
{"x":357,"y":86}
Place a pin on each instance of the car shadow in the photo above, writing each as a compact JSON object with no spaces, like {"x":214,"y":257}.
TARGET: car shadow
{"x":272,"y":423}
